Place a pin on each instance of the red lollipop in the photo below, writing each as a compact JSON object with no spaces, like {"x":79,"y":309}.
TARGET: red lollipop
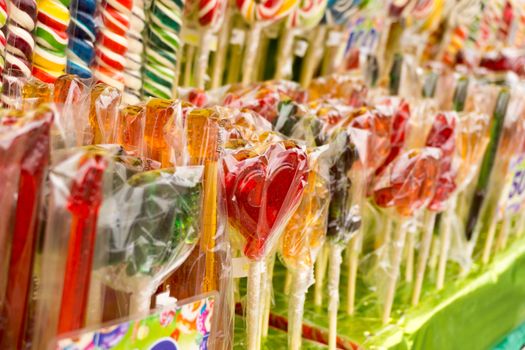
{"x":262,"y":190}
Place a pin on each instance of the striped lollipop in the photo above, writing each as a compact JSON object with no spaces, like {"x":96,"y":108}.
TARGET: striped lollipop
{"x":49,"y":57}
{"x":3,"y":42}
{"x":340,"y":11}
{"x":132,"y":71}
{"x":82,"y":35}
{"x":112,"y":43}
{"x":20,"y":43}
{"x":163,"y":43}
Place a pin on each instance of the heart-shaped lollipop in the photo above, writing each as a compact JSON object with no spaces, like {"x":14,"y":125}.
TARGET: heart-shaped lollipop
{"x":262,"y":190}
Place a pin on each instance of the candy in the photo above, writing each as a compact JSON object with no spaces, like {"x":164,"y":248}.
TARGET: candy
{"x":112,"y":44}
{"x":49,"y":56}
{"x":20,"y":43}
{"x":134,"y":60}
{"x":164,"y":23}
{"x":3,"y":40}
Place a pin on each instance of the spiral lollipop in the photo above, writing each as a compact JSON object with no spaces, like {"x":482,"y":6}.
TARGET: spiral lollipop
{"x":162,"y":45}
{"x":112,"y":43}
{"x":51,"y":38}
{"x":134,"y":60}
{"x":3,"y":41}
{"x":406,"y":185}
{"x":249,"y":177}
{"x":82,"y":35}
{"x":20,"y":42}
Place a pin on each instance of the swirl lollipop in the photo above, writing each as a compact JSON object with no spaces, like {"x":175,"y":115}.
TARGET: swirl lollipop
{"x":249,"y":177}
{"x":82,"y":36}
{"x":3,"y":41}
{"x":134,"y":59}
{"x":49,"y":57}
{"x":112,"y":43}
{"x":406,"y":185}
{"x":442,"y":135}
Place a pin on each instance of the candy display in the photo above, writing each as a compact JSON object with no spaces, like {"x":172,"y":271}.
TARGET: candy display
{"x":364,"y":197}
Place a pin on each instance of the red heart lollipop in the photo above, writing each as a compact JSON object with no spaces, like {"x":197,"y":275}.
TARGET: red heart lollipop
{"x":442,"y":136}
{"x":409,"y":182}
{"x":262,"y":190}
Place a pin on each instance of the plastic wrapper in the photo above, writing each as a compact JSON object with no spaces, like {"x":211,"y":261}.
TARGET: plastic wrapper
{"x":249,"y":177}
{"x":407,"y":185}
{"x":103,"y":113}
{"x":27,"y":141}
{"x":303,"y":239}
{"x":350,"y":90}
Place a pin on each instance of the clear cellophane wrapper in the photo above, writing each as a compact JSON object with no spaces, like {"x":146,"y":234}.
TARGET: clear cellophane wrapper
{"x":512,"y":136}
{"x":346,"y":87}
{"x":24,"y":156}
{"x":404,"y":188}
{"x":114,"y":224}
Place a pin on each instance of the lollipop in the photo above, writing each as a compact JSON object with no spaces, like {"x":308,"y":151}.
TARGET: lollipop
{"x":34,"y":156}
{"x":103,"y":113}
{"x":302,"y":240}
{"x":157,"y":231}
{"x":130,"y":132}
{"x":20,"y":42}
{"x":3,"y":42}
{"x":134,"y":60}
{"x":343,"y":220}
{"x":82,"y":35}
{"x":112,"y":44}
{"x":442,"y":136}
{"x":406,"y":185}
{"x":249,"y":177}
{"x":162,"y":46}
{"x":51,"y":38}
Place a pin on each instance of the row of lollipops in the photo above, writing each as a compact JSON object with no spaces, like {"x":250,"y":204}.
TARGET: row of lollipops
{"x":260,"y":170}
{"x":149,"y":48}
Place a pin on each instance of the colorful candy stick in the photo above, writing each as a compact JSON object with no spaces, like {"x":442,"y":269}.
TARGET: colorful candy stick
{"x":51,"y":39}
{"x":84,"y":202}
{"x":112,"y":44}
{"x":162,"y":47}
{"x":442,"y":136}
{"x":473,"y":225}
{"x":82,"y":36}
{"x":280,"y":169}
{"x":134,"y":59}
{"x":3,"y":41}
{"x":24,"y":238}
{"x":418,"y":169}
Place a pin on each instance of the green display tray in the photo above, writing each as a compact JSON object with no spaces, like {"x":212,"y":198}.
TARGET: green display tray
{"x":474,"y":312}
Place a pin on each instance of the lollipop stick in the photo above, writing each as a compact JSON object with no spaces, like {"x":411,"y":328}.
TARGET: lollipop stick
{"x":201,"y":59}
{"x":320,"y":271}
{"x":250,"y":53}
{"x":354,"y":250}
{"x":140,"y":302}
{"x":313,"y":56}
{"x":220,"y":55}
{"x":301,"y":281}
{"x":334,"y":272}
{"x":283,"y":54}
{"x":267,"y":295}
{"x":96,"y":301}
{"x":253,"y":309}
{"x":504,"y":234}
{"x":385,"y":235}
{"x":410,"y":246}
{"x":288,"y":282}
{"x":489,"y":241}
{"x":190,"y":52}
{"x":399,"y":241}
{"x":520,"y":226}
{"x":445,"y":244}
{"x":424,"y":251}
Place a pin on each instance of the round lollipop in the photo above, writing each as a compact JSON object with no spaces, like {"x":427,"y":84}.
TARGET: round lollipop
{"x":263,"y":187}
{"x":82,"y":36}
{"x":406,"y":185}
{"x":302,"y":240}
